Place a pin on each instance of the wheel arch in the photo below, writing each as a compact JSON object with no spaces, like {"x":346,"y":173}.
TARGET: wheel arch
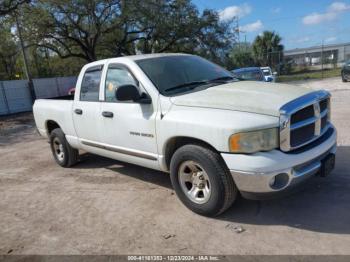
{"x":174,"y":143}
{"x":51,"y":125}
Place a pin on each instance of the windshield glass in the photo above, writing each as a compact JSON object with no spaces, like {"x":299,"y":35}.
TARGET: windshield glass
{"x":249,"y":75}
{"x":267,"y":72}
{"x":179,"y":74}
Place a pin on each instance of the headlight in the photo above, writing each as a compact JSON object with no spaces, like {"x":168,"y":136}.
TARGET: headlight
{"x":250,"y":142}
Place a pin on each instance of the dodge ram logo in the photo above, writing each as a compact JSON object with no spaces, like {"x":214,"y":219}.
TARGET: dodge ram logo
{"x":284,"y":121}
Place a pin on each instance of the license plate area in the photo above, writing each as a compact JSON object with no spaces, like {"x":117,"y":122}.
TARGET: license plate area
{"x":327,"y":165}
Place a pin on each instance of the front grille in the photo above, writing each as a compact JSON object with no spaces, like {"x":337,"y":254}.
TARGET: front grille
{"x":304,"y":120}
{"x":302,"y":135}
{"x":302,"y":114}
{"x":324,"y":122}
{"x":324,"y":104}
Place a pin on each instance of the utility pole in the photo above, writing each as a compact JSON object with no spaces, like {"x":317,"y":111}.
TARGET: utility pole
{"x":25,"y":60}
{"x":237,"y":30}
{"x":322,"y":58}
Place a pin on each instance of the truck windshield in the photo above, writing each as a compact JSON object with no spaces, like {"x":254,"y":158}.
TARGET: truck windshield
{"x":267,"y":72}
{"x":174,"y":75}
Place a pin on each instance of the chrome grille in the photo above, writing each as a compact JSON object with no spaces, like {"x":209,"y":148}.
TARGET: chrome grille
{"x":304,"y":119}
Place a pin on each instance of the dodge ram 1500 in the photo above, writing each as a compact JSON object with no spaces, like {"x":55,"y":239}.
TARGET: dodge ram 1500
{"x":181,"y":114}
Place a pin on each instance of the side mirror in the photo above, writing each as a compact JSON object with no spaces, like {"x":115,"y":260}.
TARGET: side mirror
{"x":131,"y":93}
{"x":144,"y":99}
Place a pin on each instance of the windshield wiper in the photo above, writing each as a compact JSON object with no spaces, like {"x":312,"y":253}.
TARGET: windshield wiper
{"x":189,"y":85}
{"x":222,"y":79}
{"x":194,"y":84}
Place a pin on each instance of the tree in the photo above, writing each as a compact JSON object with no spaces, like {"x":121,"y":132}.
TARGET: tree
{"x":8,"y":6}
{"x":71,"y":28}
{"x":92,"y":29}
{"x":180,"y":29}
{"x":8,"y":52}
{"x":241,"y":55}
{"x":267,"y":49}
{"x":87,"y":30}
{"x":215,"y":38}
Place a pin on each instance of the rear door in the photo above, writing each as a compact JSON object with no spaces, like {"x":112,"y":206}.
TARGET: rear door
{"x":86,"y":106}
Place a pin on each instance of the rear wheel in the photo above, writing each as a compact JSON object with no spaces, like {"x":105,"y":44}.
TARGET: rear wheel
{"x":201,"y":180}
{"x":63,"y":153}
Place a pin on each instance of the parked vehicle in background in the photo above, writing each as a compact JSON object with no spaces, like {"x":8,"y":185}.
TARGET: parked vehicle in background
{"x":249,"y":74}
{"x":345,"y":72}
{"x":182,"y":114}
{"x":268,"y":75}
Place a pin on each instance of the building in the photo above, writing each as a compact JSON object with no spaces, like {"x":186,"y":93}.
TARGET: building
{"x":329,"y":55}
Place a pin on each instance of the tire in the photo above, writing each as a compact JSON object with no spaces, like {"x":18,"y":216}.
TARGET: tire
{"x":343,"y":78}
{"x":209,"y":195}
{"x":63,"y":153}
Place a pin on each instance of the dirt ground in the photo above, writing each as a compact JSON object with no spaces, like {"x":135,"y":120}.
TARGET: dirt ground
{"x":103,"y":206}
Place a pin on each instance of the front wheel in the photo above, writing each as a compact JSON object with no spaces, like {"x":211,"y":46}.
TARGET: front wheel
{"x":201,"y":180}
{"x":343,"y":78}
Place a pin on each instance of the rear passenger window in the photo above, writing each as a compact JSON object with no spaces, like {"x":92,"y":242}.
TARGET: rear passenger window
{"x":90,"y":85}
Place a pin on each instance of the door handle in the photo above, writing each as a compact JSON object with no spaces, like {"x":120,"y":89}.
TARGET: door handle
{"x":78,"y":111}
{"x":107,"y":114}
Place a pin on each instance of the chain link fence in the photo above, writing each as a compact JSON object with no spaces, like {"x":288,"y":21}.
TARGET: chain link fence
{"x":314,"y":62}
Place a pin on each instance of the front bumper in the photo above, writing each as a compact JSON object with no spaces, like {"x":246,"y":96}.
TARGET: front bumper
{"x":267,"y":174}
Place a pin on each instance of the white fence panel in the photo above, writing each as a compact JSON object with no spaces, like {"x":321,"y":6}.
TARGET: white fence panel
{"x":17,"y":95}
{"x":65,"y":83}
{"x":3,"y":102}
{"x":45,"y":88}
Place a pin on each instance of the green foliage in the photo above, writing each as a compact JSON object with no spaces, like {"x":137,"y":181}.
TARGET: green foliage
{"x":8,"y":52}
{"x":94,"y":29}
{"x":9,"y":6}
{"x":241,"y":56}
{"x":61,"y":35}
{"x":267,"y":49}
{"x":308,"y":75}
{"x":71,"y":28}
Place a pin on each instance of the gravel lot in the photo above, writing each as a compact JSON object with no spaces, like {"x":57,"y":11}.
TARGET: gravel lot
{"x":103,"y":206}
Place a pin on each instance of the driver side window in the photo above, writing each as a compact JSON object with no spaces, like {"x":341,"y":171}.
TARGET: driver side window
{"x":117,"y":76}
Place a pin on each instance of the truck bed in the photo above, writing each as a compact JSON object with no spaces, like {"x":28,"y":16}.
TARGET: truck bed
{"x":58,"y":110}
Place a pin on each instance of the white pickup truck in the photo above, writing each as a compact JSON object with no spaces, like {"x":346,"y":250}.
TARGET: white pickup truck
{"x":182,"y":114}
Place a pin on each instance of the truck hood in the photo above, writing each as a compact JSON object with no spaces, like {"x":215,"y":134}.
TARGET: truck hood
{"x":247,"y":96}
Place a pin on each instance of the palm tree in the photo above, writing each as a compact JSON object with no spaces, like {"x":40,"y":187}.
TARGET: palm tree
{"x":267,"y":49}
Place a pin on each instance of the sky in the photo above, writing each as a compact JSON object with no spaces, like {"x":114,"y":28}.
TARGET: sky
{"x":300,"y":23}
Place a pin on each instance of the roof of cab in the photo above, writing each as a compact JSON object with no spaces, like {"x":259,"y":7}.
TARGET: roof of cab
{"x":146,"y":56}
{"x":133,"y":57}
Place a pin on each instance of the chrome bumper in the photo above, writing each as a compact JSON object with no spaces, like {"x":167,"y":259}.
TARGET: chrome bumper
{"x":292,"y":169}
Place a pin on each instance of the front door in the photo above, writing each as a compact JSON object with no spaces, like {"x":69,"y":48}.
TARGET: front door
{"x":129,"y":127}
